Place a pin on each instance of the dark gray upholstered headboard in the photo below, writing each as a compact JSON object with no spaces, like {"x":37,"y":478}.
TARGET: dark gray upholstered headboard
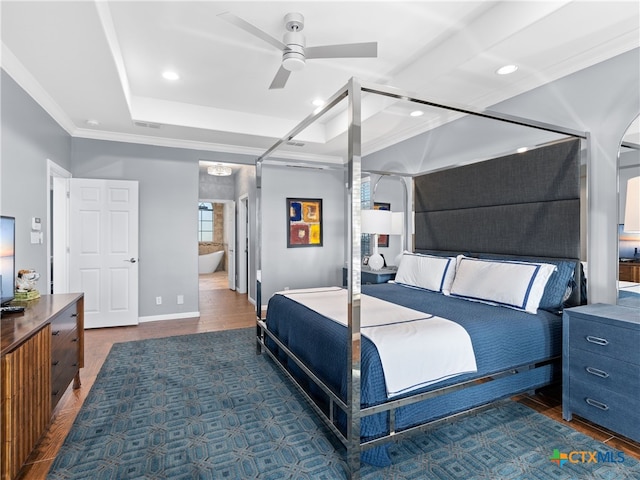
{"x":525,"y":205}
{"x":520,"y":204}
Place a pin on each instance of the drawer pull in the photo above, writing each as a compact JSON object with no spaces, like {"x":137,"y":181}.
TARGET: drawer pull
{"x":55,"y":333}
{"x":597,"y":372}
{"x":597,"y":340}
{"x":56,"y":362}
{"x":53,"y":394}
{"x":595,"y":403}
{"x":75,"y":339}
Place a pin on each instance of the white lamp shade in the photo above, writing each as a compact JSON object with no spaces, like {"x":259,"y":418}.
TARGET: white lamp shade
{"x":632,"y":206}
{"x":397,"y":223}
{"x":376,"y":221}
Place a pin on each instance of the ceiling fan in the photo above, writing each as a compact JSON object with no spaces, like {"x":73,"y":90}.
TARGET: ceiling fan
{"x":294,"y":51}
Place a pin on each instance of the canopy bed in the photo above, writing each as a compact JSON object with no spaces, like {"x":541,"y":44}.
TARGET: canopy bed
{"x":359,"y":354}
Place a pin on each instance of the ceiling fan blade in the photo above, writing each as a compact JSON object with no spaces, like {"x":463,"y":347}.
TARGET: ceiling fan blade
{"x":279,"y":81}
{"x":346,"y":50}
{"x":247,"y":27}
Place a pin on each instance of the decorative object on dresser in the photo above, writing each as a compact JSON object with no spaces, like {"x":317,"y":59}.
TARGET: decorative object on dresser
{"x":601,"y":366}
{"x":42,"y":352}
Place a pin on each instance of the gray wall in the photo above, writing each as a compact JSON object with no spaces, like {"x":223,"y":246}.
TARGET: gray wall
{"x":168,"y":199}
{"x":211,"y":187}
{"x":308,"y":266}
{"x":29,"y":137}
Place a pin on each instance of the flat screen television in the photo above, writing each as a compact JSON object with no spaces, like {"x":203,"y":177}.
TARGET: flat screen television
{"x":7,"y":259}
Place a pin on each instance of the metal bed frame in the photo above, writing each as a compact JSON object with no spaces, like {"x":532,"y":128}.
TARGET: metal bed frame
{"x":351,"y":440}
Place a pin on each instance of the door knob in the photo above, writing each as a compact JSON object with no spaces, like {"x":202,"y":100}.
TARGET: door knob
{"x":131,"y":260}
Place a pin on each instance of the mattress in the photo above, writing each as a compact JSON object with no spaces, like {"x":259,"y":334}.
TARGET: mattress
{"x":502,"y":338}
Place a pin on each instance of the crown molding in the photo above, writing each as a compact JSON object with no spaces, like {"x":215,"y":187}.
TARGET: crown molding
{"x":16,"y":70}
{"x":196,"y":145}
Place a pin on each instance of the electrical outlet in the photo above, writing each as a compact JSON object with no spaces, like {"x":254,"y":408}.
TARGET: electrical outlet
{"x":158,"y":300}
{"x":180,"y":299}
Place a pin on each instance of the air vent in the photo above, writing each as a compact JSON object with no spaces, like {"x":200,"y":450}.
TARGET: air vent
{"x":295,"y":144}
{"x":146,"y":124}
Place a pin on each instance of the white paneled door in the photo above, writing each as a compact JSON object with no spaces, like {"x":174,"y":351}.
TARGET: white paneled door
{"x":103,"y":250}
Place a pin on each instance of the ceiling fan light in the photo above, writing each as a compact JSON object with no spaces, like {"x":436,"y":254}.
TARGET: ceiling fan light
{"x":293,"y":61}
{"x":219,"y":170}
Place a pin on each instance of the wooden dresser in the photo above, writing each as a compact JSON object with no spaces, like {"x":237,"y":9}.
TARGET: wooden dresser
{"x":629,"y":271}
{"x":42,"y":353}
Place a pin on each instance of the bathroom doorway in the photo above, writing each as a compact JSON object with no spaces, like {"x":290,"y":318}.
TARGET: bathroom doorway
{"x":216,"y":243}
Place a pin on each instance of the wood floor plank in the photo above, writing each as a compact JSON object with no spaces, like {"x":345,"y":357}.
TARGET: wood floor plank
{"x":222,"y":309}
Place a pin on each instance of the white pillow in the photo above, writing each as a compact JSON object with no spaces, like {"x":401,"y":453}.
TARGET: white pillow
{"x":426,"y":271}
{"x":514,"y":284}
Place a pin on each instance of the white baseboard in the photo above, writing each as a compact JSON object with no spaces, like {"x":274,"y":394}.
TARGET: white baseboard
{"x":169,"y":316}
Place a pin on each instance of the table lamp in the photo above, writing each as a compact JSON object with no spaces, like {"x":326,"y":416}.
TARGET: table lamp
{"x":376,"y":222}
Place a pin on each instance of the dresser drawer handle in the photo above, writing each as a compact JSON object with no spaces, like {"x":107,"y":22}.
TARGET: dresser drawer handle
{"x":55,"y":333}
{"x":595,"y":403}
{"x":54,"y":363}
{"x":597,"y":340}
{"x":74,"y":314}
{"x":597,"y":372}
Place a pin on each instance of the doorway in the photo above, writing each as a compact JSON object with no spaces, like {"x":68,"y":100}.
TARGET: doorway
{"x":216,"y":241}
{"x":58,"y":231}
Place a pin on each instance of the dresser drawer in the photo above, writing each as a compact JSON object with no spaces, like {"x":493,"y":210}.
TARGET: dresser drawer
{"x":603,"y":339}
{"x":605,"y":372}
{"x":65,"y":322}
{"x":605,"y":408}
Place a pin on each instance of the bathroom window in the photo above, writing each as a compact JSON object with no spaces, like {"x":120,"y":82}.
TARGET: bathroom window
{"x":205,"y":222}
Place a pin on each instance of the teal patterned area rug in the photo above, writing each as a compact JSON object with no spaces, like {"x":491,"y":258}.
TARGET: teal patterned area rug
{"x":205,"y":406}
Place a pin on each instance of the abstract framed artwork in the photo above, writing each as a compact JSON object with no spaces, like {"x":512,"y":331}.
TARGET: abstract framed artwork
{"x":304,"y":222}
{"x":383,"y":239}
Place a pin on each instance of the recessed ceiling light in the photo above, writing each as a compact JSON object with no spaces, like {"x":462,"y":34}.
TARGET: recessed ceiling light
{"x":169,"y":75}
{"x":92,"y":123}
{"x":318,"y":102}
{"x":417,"y":113}
{"x":522,"y":149}
{"x":507,"y":69}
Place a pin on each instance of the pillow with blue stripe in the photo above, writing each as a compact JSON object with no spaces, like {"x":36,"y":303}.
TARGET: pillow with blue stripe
{"x":559,"y":286}
{"x":509,"y":283}
{"x":426,"y":271}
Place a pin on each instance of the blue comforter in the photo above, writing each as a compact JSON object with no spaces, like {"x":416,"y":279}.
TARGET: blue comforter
{"x":501,"y":337}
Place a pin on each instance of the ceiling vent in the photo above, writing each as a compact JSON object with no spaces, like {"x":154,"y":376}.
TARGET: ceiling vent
{"x":146,"y":124}
{"x":295,"y":144}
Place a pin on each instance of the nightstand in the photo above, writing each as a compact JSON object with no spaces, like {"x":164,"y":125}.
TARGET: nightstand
{"x":372,"y":276}
{"x":601,"y":366}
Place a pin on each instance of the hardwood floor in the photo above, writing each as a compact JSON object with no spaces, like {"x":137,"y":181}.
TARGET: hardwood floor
{"x":224,"y":309}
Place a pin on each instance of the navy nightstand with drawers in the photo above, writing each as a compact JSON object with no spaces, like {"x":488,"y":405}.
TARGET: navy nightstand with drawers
{"x":601,"y":366}
{"x":372,"y":276}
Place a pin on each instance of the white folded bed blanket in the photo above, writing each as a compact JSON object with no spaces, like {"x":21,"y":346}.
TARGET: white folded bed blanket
{"x":416,"y":349}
